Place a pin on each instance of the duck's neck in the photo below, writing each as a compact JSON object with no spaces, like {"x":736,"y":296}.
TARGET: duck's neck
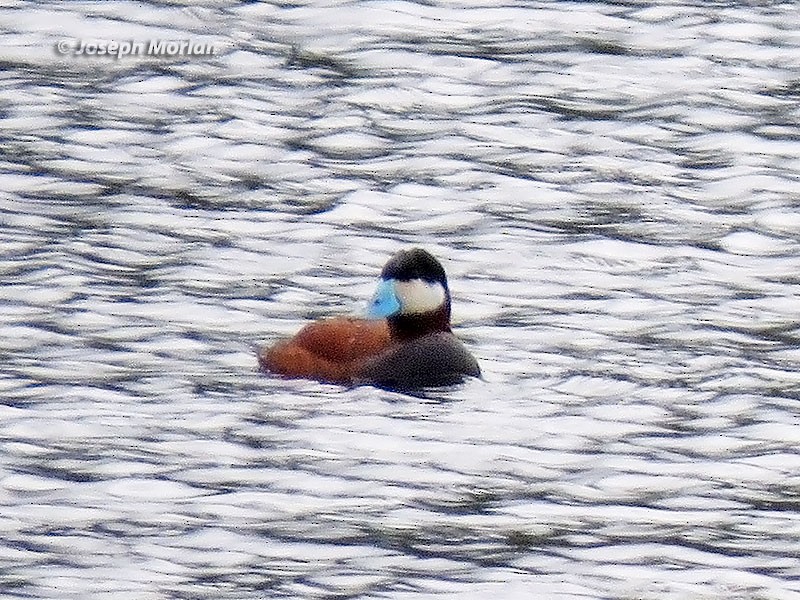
{"x":409,"y":327}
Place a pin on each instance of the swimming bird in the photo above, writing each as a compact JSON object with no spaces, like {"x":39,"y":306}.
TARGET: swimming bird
{"x":405,"y":342}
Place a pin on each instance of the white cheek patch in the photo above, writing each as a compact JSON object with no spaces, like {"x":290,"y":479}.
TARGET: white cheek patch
{"x":418,"y":296}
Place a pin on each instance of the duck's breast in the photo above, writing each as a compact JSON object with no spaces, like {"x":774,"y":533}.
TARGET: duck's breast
{"x":431,"y":360}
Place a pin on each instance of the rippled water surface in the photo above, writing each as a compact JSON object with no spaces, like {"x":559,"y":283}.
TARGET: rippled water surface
{"x":614,"y":190}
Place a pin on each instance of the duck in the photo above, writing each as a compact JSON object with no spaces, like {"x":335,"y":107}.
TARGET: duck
{"x":404,"y":342}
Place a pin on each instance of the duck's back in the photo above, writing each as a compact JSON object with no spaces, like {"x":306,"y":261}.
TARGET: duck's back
{"x":328,"y":350}
{"x":431,"y":360}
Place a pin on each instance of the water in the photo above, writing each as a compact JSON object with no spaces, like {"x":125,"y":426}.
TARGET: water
{"x":613,"y":189}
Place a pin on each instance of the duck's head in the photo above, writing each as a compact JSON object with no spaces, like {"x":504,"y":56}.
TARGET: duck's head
{"x":412,"y":295}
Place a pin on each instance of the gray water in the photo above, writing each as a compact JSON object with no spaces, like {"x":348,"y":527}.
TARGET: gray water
{"x":613,"y":190}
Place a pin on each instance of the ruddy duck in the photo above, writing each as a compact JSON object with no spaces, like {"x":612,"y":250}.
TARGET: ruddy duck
{"x":405,"y":342}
